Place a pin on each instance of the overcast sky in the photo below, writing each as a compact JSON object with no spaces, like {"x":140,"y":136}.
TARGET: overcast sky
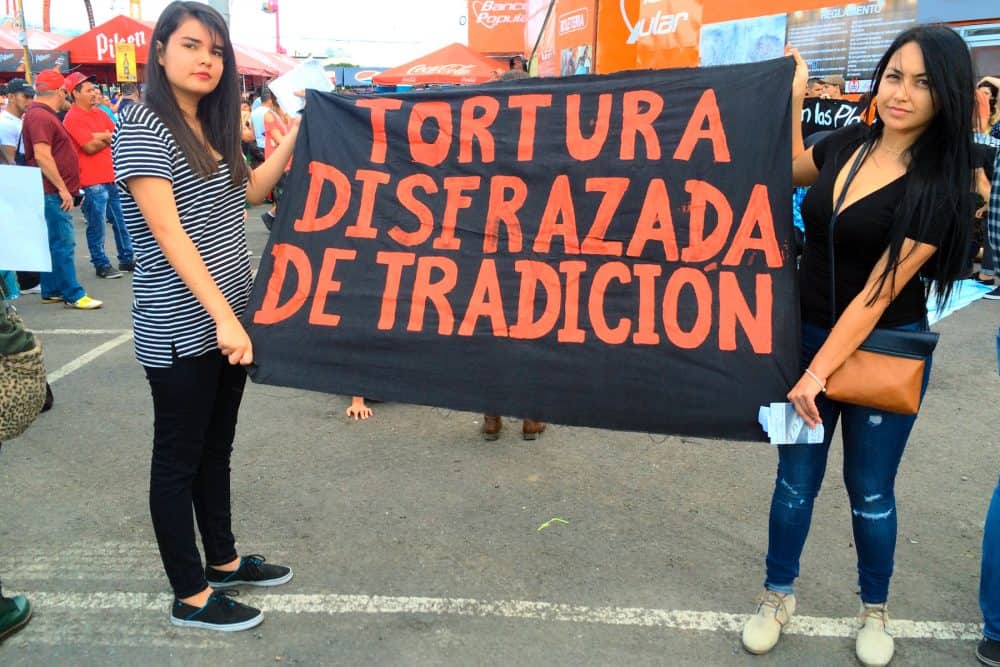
{"x":368,"y":32}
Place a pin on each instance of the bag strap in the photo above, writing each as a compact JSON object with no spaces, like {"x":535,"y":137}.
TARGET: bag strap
{"x":851,"y":173}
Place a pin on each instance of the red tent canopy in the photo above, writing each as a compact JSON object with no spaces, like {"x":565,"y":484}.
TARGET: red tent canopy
{"x":275,"y":63}
{"x":97,"y":47}
{"x":43,"y":41}
{"x":454,"y":64}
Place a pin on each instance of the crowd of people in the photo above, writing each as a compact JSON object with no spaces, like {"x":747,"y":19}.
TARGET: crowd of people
{"x":63,"y":126}
{"x":892,"y":202}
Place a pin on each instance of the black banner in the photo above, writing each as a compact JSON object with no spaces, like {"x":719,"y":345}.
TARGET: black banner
{"x":12,"y":60}
{"x":819,"y":115}
{"x":611,"y":251}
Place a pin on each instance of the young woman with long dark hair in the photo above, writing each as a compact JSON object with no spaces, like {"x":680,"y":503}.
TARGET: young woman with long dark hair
{"x":903,"y":221}
{"x":179,"y":163}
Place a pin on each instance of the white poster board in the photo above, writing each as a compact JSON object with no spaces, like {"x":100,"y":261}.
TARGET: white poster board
{"x":309,"y":74}
{"x":24,"y":236}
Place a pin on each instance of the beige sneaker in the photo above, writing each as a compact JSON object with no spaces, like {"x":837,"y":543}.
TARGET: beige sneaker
{"x":85,"y":303}
{"x":874,"y":646}
{"x":774,"y":611}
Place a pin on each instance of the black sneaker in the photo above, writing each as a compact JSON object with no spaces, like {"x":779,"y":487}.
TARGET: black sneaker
{"x":252,"y":571}
{"x":993,"y":294}
{"x":109,"y":272}
{"x":15,"y":613}
{"x":268,"y":219}
{"x":988,"y":652}
{"x":221,"y":612}
{"x":126,"y":266}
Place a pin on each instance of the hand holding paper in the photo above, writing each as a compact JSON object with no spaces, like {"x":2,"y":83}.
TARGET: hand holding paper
{"x":289,"y":86}
{"x":785,"y":427}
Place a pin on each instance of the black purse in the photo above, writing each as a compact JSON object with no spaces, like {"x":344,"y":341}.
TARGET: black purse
{"x":886,"y":371}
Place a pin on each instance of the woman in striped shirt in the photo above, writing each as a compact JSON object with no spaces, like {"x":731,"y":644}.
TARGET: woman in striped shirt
{"x":184,"y":181}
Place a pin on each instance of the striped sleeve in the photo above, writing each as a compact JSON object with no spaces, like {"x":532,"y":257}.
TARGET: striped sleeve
{"x":142,"y":146}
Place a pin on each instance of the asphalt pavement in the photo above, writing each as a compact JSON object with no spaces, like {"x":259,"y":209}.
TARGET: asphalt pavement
{"x":416,"y":543}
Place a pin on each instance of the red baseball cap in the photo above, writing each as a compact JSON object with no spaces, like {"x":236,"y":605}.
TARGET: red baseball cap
{"x":49,"y":80}
{"x":75,"y":79}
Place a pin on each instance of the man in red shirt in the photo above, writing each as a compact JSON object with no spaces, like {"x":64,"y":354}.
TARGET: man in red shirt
{"x":91,"y":130}
{"x":48,"y":146}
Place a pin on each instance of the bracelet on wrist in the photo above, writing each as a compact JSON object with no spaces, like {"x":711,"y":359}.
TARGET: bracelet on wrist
{"x":815,"y":378}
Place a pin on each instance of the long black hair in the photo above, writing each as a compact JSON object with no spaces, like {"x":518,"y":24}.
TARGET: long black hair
{"x":993,"y":98}
{"x":218,"y":112}
{"x":938,"y":198}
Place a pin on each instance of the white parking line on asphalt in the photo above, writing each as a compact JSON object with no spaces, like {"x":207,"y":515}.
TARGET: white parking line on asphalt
{"x":706,"y":621}
{"x":79,"y":332}
{"x":88,"y":357}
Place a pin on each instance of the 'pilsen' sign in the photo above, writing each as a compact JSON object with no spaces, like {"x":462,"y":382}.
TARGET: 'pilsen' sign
{"x":607,"y":251}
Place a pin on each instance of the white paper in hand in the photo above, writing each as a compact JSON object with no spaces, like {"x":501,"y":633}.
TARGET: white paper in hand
{"x":24,"y":236}
{"x":308,"y":75}
{"x":785,"y":427}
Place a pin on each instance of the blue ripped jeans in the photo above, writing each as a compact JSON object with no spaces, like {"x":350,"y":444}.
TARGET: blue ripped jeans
{"x":989,"y":583}
{"x":873,"y":446}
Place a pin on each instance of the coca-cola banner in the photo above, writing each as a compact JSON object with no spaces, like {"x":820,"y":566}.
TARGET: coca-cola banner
{"x":611,"y":251}
{"x":454,"y":64}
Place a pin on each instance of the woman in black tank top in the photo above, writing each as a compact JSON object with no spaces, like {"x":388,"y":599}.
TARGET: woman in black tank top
{"x":904,"y":218}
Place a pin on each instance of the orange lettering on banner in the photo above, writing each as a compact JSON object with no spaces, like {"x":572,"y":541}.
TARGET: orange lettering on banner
{"x":706,"y":111}
{"x":503,"y":210}
{"x":430,"y":153}
{"x":571,"y":331}
{"x":579,"y":147}
{"x":636,"y":121}
{"x":757,"y":216}
{"x":456,"y":201}
{"x":733,"y":308}
{"x":646,"y":331}
{"x":595,"y":307}
{"x":319,"y":175}
{"x":529,"y":105}
{"x":394,"y":263}
{"x":370,"y":180}
{"x":702,"y":248}
{"x":486,"y":301}
{"x":679,"y":279}
{"x":404,"y":193}
{"x":558,"y":207}
{"x":284,"y":254}
{"x":379,"y":107}
{"x":655,"y":223}
{"x":533,"y":274}
{"x":425,"y":290}
{"x":478,"y":128}
{"x":327,"y":284}
{"x":614,"y":189}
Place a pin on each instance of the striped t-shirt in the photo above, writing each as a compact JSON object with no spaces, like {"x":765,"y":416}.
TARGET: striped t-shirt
{"x":167,"y":318}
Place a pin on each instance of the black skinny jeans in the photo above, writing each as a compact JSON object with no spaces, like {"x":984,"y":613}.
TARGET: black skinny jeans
{"x":195,"y":404}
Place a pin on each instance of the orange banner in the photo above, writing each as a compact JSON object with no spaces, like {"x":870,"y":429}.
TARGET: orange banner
{"x":575,"y":23}
{"x":548,"y":53}
{"x":497,"y":26}
{"x":642,"y":34}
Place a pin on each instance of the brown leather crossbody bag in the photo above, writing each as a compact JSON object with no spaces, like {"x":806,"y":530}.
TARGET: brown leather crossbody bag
{"x":886,"y":371}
